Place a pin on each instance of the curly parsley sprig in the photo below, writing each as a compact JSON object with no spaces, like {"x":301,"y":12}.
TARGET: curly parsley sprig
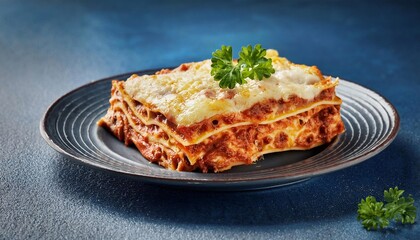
{"x":252,"y":64}
{"x":377,"y":215}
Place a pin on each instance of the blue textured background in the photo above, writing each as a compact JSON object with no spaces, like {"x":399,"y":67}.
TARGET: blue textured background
{"x":48,"y":48}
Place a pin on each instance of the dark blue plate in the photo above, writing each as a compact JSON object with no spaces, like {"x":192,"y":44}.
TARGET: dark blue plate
{"x":69,"y":126}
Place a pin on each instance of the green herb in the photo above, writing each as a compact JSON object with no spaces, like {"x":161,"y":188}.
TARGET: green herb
{"x":252,"y":64}
{"x":375,"y":215}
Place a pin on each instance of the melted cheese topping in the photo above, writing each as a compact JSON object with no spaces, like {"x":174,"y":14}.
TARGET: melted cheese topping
{"x":190,"y":96}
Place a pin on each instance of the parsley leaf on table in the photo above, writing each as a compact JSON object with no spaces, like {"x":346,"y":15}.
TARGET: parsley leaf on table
{"x":377,"y":215}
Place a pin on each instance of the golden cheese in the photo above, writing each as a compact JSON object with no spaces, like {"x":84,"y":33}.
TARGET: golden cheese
{"x":193,"y":95}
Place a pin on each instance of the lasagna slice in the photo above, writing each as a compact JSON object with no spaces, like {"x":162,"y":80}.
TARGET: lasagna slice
{"x":182,"y":120}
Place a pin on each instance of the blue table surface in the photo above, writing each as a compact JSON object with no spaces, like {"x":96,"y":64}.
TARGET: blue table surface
{"x":48,"y":48}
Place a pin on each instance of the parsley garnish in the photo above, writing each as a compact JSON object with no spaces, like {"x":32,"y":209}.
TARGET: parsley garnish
{"x":252,"y":64}
{"x":375,"y":215}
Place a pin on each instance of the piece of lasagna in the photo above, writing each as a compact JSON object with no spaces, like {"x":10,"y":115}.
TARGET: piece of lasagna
{"x":182,"y":120}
